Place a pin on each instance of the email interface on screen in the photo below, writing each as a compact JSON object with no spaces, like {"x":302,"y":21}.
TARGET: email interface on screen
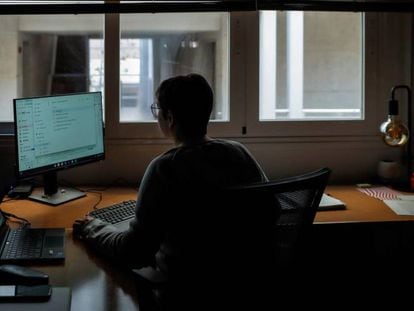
{"x":55,"y":132}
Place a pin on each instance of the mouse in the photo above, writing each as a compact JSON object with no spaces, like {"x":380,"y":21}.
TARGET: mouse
{"x":18,"y":275}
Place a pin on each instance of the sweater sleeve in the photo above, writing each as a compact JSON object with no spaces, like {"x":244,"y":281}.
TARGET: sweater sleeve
{"x":135,"y":247}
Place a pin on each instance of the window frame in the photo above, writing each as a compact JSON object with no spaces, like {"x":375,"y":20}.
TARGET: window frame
{"x":306,"y":128}
{"x":244,"y":108}
{"x":243,"y":89}
{"x":149,"y":130}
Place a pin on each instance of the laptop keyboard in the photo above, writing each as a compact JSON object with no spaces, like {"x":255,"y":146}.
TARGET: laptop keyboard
{"x":116,"y":213}
{"x":23,"y":243}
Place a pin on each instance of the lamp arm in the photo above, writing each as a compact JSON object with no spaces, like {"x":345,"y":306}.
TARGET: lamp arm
{"x":409,"y":123}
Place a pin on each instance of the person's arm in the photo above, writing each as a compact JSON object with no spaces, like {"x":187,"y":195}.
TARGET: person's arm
{"x":137,"y":246}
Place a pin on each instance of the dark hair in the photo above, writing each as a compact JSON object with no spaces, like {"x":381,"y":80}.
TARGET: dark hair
{"x":190,"y":100}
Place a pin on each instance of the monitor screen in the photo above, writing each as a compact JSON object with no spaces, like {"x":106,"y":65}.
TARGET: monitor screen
{"x":58,"y":132}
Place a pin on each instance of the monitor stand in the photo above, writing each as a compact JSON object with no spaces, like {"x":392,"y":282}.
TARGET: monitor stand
{"x":52,"y":194}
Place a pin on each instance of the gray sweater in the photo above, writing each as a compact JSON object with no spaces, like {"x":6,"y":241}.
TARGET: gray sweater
{"x":176,"y":211}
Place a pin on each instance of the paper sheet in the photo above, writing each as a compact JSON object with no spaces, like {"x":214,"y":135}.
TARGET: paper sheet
{"x":381,"y":192}
{"x":330,"y":203}
{"x":406,"y":197}
{"x":402,"y":207}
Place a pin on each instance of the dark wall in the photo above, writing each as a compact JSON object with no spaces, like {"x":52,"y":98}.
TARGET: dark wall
{"x":7,"y":161}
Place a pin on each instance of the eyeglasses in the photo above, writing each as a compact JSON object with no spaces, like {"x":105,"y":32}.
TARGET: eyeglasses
{"x":154,"y":110}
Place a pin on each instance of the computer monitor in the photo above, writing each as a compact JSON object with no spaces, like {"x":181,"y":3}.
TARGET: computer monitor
{"x":57,"y":132}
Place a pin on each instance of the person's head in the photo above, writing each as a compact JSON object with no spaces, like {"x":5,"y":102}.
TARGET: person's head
{"x":185,"y":104}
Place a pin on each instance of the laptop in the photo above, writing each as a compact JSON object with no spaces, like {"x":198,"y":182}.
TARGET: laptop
{"x":30,"y":245}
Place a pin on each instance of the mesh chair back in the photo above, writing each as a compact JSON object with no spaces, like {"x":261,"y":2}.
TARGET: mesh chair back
{"x":232,"y":241}
{"x":297,"y":199}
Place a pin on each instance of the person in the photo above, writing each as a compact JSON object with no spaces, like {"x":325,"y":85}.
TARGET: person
{"x":177,"y":228}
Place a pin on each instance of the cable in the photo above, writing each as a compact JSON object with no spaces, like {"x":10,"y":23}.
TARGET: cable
{"x":117,"y":182}
{"x":9,"y":199}
{"x":99,"y":199}
{"x":9,"y":217}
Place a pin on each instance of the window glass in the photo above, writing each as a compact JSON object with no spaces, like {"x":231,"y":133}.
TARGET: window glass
{"x":155,"y":47}
{"x":311,"y":66}
{"x":96,"y":64}
{"x":44,"y":55}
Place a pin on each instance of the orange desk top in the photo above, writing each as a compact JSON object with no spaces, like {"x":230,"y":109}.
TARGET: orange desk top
{"x":43,"y":215}
{"x":360,"y":207}
{"x":95,"y":284}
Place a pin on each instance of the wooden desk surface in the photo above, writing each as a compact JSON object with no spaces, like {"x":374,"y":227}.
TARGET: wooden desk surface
{"x":43,"y":215}
{"x":359,"y":208}
{"x":97,"y":286}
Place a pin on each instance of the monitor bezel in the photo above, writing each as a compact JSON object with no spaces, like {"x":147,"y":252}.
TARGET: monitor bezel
{"x":52,"y":168}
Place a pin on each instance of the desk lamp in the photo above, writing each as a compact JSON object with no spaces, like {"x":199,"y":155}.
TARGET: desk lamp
{"x":396,"y":134}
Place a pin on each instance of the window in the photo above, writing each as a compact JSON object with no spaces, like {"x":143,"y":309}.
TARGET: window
{"x":311,"y":66}
{"x":96,"y":65}
{"x":44,"y":55}
{"x":154,"y":47}
{"x":130,"y":74}
{"x":309,"y":69}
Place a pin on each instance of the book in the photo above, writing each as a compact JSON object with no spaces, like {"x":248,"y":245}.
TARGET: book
{"x":329,"y":203}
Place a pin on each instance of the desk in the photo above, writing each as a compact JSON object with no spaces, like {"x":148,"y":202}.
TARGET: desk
{"x":97,"y":286}
{"x":366,"y":243}
{"x":43,"y":215}
{"x":359,"y":208}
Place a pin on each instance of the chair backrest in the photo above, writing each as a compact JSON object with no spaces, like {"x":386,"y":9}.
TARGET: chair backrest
{"x":297,"y":199}
{"x":234,"y":240}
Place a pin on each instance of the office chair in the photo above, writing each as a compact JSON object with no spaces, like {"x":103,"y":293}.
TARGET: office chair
{"x":297,"y":199}
{"x":258,"y":230}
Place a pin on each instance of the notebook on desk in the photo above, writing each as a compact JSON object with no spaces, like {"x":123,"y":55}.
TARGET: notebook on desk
{"x":30,"y":245}
{"x":329,"y":203}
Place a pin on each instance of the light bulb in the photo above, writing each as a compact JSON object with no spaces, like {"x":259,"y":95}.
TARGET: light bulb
{"x":193,"y":44}
{"x":395,"y":133}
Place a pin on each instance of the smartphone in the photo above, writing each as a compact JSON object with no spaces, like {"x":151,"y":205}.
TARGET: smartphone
{"x":25,"y":293}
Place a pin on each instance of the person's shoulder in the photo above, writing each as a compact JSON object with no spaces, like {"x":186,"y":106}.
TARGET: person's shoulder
{"x":162,"y":160}
{"x":232,"y":144}
{"x":227,"y":142}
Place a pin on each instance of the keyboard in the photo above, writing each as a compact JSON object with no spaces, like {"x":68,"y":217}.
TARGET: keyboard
{"x":22,"y":243}
{"x":116,"y":213}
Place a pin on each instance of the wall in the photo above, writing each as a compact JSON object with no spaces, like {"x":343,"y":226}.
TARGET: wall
{"x":332,"y":60}
{"x":9,"y":65}
{"x":352,"y":160}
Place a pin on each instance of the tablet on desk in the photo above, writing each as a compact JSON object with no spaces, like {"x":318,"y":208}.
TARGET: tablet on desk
{"x":329,"y":203}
